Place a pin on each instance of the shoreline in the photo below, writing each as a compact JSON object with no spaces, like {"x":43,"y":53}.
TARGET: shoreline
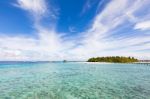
{"x":113,"y":63}
{"x":95,"y":62}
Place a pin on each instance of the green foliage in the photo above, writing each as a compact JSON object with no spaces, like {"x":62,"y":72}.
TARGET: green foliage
{"x":114,"y":59}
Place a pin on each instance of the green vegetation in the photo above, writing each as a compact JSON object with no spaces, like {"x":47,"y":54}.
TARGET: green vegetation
{"x":114,"y":59}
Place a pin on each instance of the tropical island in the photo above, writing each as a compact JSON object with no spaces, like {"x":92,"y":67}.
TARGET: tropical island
{"x":114,"y":59}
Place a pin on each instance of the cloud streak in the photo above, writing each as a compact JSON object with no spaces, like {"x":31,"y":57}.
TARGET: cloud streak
{"x":98,"y":40}
{"x":143,"y":25}
{"x":37,"y":8}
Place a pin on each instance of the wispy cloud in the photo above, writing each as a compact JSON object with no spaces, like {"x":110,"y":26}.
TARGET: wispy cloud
{"x":72,"y":29}
{"x":88,"y":5}
{"x":37,"y":8}
{"x":143,"y":25}
{"x":98,"y":40}
{"x":47,"y":45}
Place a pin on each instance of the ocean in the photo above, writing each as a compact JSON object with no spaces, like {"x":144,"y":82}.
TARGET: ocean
{"x":73,"y":80}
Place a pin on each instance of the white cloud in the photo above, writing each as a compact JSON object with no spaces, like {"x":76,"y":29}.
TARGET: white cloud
{"x":37,"y":8}
{"x":48,"y":46}
{"x":143,"y":25}
{"x":98,"y":40}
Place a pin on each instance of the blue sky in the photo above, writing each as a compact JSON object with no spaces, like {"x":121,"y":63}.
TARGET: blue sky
{"x":74,"y":29}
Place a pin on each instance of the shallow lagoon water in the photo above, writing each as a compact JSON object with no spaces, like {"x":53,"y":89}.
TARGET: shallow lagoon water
{"x":74,"y":81}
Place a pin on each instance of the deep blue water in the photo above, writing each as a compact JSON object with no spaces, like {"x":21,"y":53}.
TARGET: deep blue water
{"x":74,"y":81}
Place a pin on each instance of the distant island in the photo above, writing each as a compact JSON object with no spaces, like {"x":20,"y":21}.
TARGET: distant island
{"x":114,"y":59}
{"x":64,"y":61}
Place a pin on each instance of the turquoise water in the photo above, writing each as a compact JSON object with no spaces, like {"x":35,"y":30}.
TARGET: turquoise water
{"x":74,"y":81}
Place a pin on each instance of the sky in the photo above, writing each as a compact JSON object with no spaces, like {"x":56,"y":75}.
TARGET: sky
{"x":53,"y":30}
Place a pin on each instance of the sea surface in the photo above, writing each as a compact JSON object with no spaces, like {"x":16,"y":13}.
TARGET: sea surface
{"x":74,"y":80}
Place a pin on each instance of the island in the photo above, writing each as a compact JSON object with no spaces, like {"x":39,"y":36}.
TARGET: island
{"x":64,"y":61}
{"x":114,"y":59}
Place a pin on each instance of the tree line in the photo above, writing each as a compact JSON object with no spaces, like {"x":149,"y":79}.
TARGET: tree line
{"x":114,"y":59}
